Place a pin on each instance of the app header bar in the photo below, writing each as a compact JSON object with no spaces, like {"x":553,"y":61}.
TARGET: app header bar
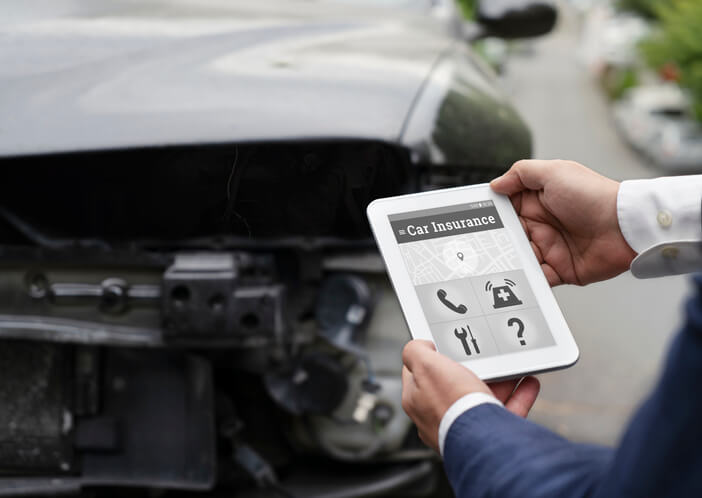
{"x":430,"y":225}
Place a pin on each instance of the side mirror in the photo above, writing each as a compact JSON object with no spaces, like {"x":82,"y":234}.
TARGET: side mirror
{"x":510,"y":19}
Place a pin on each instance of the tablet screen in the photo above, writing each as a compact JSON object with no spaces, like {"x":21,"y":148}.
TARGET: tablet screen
{"x":470,"y":281}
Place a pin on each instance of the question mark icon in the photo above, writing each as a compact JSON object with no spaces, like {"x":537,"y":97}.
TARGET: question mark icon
{"x":520,"y":332}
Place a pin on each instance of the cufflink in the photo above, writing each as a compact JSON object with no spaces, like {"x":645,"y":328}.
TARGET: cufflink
{"x":668,"y":259}
{"x":670,"y":252}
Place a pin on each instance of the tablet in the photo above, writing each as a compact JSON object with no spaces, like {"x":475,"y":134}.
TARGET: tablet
{"x":467,"y":279}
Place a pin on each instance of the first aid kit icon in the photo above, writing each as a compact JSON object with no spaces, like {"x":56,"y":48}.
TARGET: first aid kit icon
{"x":503,"y":296}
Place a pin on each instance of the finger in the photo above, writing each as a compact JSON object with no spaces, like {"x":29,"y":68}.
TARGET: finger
{"x":516,"y":201}
{"x":503,"y":389}
{"x":417,"y":351}
{"x":525,"y":226}
{"x":408,"y":388}
{"x":407,"y":379}
{"x":537,"y":252}
{"x":529,"y":174}
{"x":523,"y":397}
{"x":551,"y":275}
{"x":425,"y":439}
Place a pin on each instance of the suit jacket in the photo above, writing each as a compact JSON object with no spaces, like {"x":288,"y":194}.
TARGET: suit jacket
{"x":490,"y":452}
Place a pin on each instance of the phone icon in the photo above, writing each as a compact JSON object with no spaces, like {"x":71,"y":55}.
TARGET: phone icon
{"x":461,"y":308}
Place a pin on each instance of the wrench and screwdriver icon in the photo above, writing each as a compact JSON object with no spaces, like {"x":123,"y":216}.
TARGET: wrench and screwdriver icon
{"x":463,"y":336}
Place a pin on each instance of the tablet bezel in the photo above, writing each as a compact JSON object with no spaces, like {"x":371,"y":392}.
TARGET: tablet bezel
{"x":509,"y":365}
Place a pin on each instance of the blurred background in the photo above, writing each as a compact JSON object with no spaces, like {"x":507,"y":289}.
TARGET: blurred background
{"x":617,"y":86}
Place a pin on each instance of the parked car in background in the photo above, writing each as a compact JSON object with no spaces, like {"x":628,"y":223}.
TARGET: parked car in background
{"x":609,"y":39}
{"x":643,"y":112}
{"x":190,"y":295}
{"x":677,"y":149}
{"x":657,"y":121}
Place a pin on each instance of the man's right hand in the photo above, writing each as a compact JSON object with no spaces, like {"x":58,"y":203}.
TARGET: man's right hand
{"x":569,"y":213}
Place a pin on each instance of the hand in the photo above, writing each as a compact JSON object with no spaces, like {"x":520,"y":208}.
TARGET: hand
{"x":432,"y":382}
{"x":569,"y":213}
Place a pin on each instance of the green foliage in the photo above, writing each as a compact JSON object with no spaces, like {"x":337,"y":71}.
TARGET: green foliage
{"x":646,"y":8}
{"x":679,"y":44}
{"x":468,"y":8}
{"x":616,"y":81}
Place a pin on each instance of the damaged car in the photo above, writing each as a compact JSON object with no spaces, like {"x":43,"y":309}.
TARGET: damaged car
{"x":190,"y":296}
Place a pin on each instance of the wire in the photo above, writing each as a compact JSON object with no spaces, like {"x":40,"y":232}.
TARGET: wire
{"x":230,"y":202}
{"x":231,"y":174}
{"x":42,"y":240}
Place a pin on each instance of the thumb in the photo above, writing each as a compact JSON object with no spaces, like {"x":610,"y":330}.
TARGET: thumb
{"x":529,"y":174}
{"x":417,"y":352}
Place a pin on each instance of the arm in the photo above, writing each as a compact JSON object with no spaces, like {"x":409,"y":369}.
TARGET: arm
{"x":491,"y":452}
{"x":661,"y":451}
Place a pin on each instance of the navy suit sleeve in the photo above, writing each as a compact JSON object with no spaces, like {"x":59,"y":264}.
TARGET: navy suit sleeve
{"x":661,"y":451}
{"x":490,"y":452}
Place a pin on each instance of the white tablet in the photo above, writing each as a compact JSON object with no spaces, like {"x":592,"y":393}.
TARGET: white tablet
{"x":468,"y":280}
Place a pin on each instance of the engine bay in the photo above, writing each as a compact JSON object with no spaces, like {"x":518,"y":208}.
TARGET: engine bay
{"x":202,"y":319}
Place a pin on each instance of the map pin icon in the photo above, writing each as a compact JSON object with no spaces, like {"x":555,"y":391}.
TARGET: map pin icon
{"x":460,"y":255}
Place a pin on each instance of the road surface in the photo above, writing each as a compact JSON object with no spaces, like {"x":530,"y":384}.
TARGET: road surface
{"x":622,"y":326}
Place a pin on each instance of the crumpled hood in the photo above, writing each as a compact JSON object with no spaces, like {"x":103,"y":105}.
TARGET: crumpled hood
{"x":152,"y":73}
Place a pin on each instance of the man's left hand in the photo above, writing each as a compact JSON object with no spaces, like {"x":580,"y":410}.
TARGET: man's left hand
{"x":432,"y":382}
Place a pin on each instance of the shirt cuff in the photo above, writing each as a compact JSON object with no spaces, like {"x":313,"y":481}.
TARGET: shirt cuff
{"x":660,"y":210}
{"x":669,"y":258}
{"x":459,"y":407}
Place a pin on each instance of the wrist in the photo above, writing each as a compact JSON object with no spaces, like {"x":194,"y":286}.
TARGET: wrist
{"x":458,"y":408}
{"x":608,"y":251}
{"x":625,"y":253}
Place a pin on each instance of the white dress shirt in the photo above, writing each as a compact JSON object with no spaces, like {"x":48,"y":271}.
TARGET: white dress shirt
{"x":661,"y":219}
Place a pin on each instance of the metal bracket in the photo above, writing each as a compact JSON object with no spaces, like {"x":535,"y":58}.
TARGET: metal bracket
{"x":205,"y":298}
{"x":114,"y":295}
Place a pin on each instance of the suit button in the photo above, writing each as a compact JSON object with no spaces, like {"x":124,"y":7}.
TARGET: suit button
{"x":665,"y":219}
{"x":670,"y":252}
